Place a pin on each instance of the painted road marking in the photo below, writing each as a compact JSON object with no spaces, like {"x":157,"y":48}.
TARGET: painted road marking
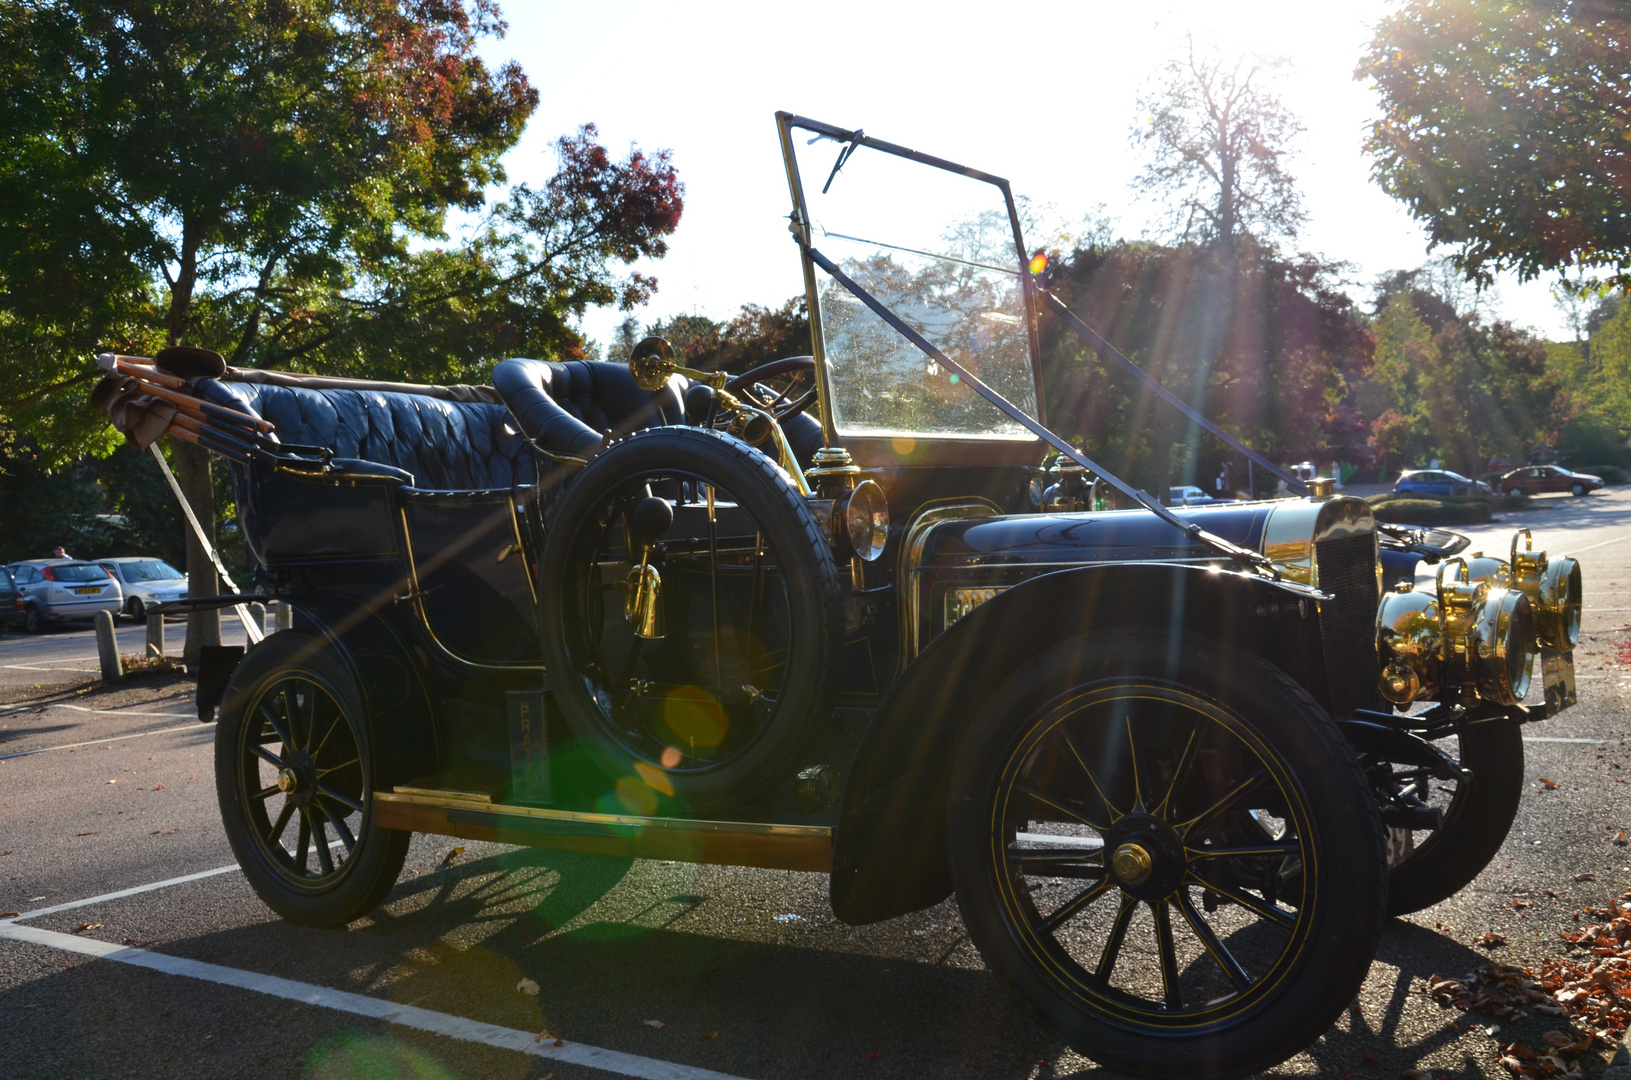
{"x":111,"y":738}
{"x":436,"y":1023}
{"x":1553,"y":738}
{"x":120,"y":895}
{"x":1605,"y":543}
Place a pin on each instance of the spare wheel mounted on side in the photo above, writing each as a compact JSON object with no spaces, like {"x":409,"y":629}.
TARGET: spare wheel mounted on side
{"x":691,"y":618}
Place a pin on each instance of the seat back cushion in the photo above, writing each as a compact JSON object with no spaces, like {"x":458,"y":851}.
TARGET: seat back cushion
{"x":569,"y":409}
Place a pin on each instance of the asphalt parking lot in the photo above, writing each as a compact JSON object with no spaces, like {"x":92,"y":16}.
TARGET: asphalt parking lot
{"x":141,"y":952}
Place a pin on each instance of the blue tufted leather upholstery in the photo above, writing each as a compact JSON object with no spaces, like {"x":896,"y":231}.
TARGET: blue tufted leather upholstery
{"x":569,"y":408}
{"x":446,"y":445}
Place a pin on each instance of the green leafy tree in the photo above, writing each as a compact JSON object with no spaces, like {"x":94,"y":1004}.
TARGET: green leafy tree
{"x":156,"y":152}
{"x":1506,"y":130}
{"x":1217,"y":137}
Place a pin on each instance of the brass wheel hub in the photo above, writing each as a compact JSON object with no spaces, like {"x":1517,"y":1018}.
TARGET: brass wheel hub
{"x":287,"y":781}
{"x":1132,"y":864}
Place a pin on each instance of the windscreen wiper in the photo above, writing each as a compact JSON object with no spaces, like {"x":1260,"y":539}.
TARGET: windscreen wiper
{"x":1252,"y":560}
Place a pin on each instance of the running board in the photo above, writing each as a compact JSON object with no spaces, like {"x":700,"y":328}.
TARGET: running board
{"x":732,"y":843}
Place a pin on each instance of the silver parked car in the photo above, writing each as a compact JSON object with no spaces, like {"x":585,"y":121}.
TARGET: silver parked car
{"x":145,"y":581}
{"x":54,"y":590}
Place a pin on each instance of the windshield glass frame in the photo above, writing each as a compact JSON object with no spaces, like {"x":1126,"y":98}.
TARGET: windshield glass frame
{"x":924,"y":447}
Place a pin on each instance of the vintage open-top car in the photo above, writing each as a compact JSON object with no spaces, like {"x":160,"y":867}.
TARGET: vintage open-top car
{"x":861,"y":612}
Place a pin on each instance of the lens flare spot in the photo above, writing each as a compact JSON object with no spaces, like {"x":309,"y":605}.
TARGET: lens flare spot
{"x":655,"y":779}
{"x":695,"y":717}
{"x":904,"y":445}
{"x":635,"y":796}
{"x":671,"y":758}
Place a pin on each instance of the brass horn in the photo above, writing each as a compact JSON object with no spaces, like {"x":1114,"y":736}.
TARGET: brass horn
{"x":651,"y":362}
{"x":643,"y":604}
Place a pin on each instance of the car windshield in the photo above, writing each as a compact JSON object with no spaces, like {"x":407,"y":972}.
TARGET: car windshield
{"x":938,"y":248}
{"x":79,"y":572}
{"x":151,"y":570}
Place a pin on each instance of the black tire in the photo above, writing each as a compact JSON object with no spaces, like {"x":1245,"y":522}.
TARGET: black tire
{"x":290,"y":689}
{"x":1427,"y":866}
{"x":33,"y":621}
{"x":1578,"y":489}
{"x":640,"y":704}
{"x":136,"y":610}
{"x":1240,"y":756}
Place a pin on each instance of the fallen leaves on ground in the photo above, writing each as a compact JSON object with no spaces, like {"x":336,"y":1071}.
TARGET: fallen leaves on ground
{"x":1590,"y":987}
{"x":528,"y":987}
{"x":84,"y":926}
{"x":452,"y":855}
{"x":1492,"y":941}
{"x":9,"y":914}
{"x":93,"y":832}
{"x":658,"y":1024}
{"x":1550,"y":784}
{"x":710,"y":1034}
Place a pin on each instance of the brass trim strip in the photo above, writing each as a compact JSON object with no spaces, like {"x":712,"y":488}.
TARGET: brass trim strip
{"x":747,"y":828}
{"x":911,"y":555}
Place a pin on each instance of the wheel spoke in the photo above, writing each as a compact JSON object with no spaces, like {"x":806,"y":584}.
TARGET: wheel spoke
{"x":303,"y":841}
{"x":343,"y":831}
{"x":1255,"y":904}
{"x":1234,"y":795}
{"x":261,"y":752}
{"x":1034,"y":857}
{"x":324,"y":859}
{"x":265,"y":793}
{"x":337,"y":768}
{"x":334,"y":796}
{"x":288,"y":711}
{"x":276,"y":835}
{"x":318,"y":749}
{"x":1290,"y":847}
{"x":1181,"y":772}
{"x":1033,"y":792}
{"x":1132,"y":752}
{"x":1112,"y":944}
{"x":1074,"y":905}
{"x":1115,"y":814}
{"x":278,"y":726}
{"x":1169,"y":954}
{"x":1218,"y":950}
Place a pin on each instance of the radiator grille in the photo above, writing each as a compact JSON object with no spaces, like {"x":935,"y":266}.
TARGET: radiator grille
{"x":1347,"y":569}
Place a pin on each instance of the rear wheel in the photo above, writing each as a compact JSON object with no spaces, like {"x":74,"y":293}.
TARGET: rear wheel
{"x":1578,"y":489}
{"x":1170,"y":854}
{"x":1426,"y":866}
{"x":33,"y":621}
{"x":293,"y":776}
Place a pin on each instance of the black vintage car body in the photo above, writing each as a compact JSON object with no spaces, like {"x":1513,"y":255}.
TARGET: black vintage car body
{"x":844,"y":614}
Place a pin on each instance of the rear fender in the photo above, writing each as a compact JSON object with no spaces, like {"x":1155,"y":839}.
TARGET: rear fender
{"x":889,"y":851}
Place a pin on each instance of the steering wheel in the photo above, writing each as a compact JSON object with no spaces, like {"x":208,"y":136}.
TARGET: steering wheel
{"x":784,"y":405}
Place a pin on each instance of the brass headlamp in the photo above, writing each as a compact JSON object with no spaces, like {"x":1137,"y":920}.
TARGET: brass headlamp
{"x":1467,"y":637}
{"x":1552,"y":585}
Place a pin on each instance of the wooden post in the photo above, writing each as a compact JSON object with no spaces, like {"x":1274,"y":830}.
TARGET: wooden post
{"x":257,"y":615}
{"x":155,"y":635}
{"x":107,"y":648}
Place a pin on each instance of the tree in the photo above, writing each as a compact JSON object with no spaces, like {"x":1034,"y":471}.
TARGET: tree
{"x":1506,"y":130}
{"x":158,"y":150}
{"x":1217,"y":141}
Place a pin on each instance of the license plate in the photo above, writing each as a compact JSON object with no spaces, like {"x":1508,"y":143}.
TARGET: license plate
{"x":1557,"y":675}
{"x":90,"y":590}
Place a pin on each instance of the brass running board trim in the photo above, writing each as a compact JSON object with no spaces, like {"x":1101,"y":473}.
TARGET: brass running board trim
{"x":732,"y":843}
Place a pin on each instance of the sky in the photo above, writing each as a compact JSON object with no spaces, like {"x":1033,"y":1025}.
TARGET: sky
{"x":1044,"y":94}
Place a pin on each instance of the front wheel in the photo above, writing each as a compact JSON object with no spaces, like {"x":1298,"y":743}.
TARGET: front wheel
{"x":293,"y":775}
{"x":1578,"y":489}
{"x":1426,"y":866}
{"x":137,"y":610}
{"x":1169,"y":853}
{"x":33,"y":622}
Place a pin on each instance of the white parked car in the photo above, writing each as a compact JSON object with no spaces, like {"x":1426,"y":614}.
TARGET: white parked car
{"x":1188,"y":495}
{"x":57,"y":589}
{"x":145,"y":581}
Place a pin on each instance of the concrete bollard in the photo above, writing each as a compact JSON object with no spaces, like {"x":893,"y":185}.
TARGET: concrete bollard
{"x":284,"y":619}
{"x":257,"y":615}
{"x":155,"y":636}
{"x":107,"y":648}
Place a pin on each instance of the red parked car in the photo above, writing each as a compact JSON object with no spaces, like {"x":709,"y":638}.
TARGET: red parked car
{"x":1538,"y":479}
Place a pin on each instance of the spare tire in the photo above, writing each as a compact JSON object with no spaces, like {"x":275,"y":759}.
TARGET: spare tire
{"x":732,"y":668}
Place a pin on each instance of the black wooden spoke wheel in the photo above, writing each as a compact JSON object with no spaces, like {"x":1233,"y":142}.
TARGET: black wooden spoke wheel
{"x":293,"y":777}
{"x":709,"y":701}
{"x":1432,"y":863}
{"x":1170,"y":853}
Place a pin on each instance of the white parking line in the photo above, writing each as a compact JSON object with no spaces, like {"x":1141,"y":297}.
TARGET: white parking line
{"x":1553,"y":738}
{"x":437,"y":1023}
{"x":110,"y":738}
{"x":1605,"y":543}
{"x":120,"y":895}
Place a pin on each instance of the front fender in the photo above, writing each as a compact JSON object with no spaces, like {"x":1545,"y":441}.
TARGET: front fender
{"x":889,"y":851}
